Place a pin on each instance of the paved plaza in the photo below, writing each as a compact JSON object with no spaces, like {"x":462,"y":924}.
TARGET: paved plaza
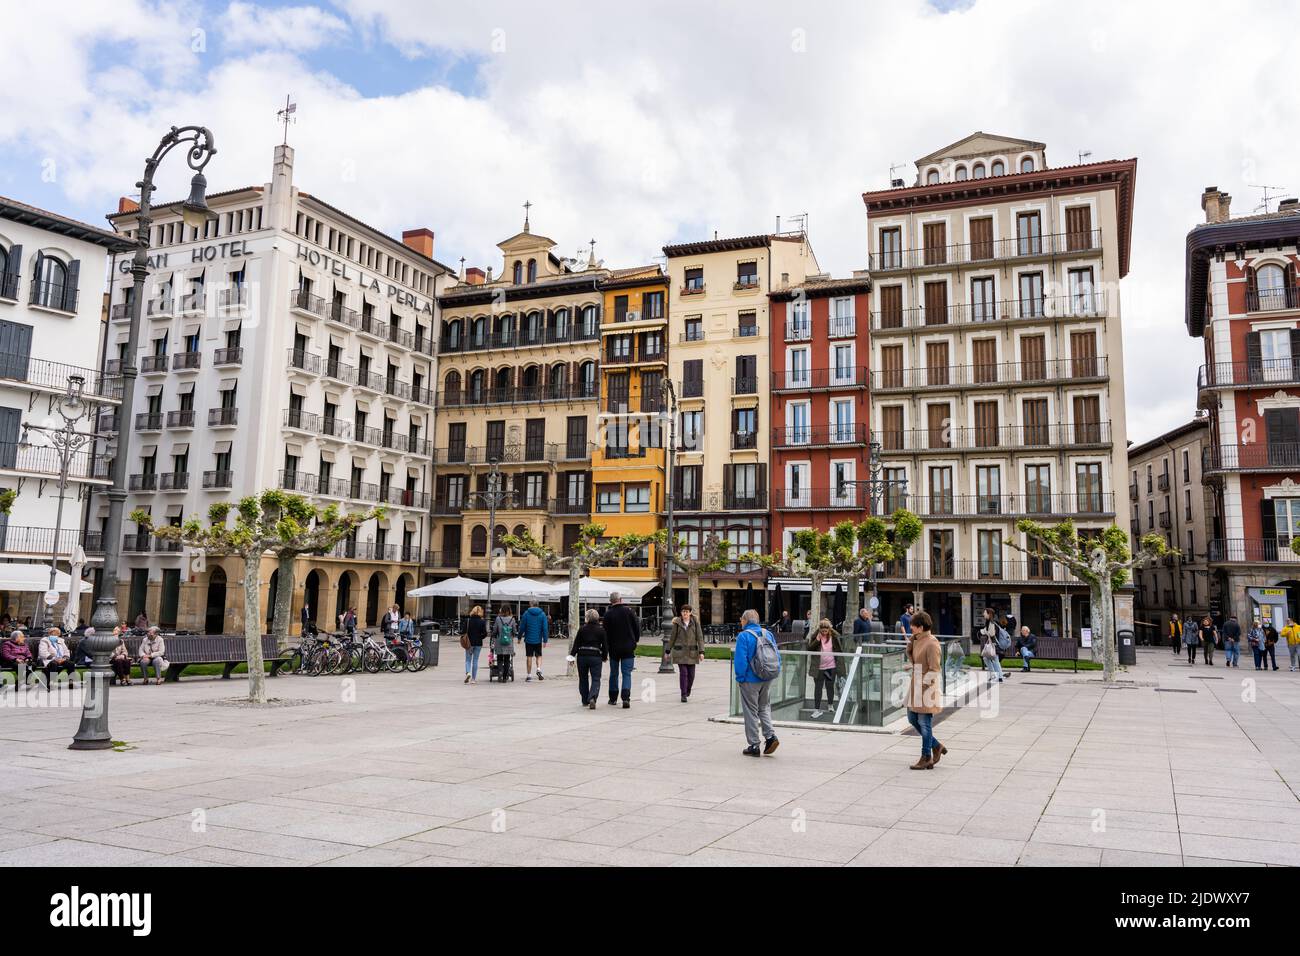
{"x":420,"y":769}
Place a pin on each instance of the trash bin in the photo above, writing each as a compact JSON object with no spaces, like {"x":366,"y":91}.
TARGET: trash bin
{"x":1127,"y":647}
{"x":430,"y":638}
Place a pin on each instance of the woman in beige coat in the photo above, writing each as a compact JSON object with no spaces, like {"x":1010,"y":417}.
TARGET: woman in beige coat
{"x":925,"y":690}
{"x":152,"y":653}
{"x":686,"y":644}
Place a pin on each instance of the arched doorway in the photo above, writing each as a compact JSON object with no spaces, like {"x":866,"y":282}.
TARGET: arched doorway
{"x":214,"y":621}
{"x":403,"y":584}
{"x":374,"y":589}
{"x":348,"y":586}
{"x":311,"y":597}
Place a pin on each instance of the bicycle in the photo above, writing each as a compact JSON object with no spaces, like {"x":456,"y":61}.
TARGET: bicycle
{"x":376,"y":654}
{"x":415,"y":661}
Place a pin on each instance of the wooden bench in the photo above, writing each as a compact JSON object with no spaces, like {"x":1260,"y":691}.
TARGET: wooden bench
{"x":1050,"y":648}
{"x":223,"y":649}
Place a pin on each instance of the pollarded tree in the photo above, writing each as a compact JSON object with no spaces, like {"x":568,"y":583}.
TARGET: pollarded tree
{"x":284,"y":524}
{"x":878,"y":541}
{"x":591,"y":550}
{"x":810,"y":556}
{"x":1102,"y":561}
{"x":714,"y":555}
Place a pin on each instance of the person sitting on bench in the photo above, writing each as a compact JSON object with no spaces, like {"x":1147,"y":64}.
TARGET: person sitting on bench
{"x":55,"y":656}
{"x":16,"y":653}
{"x":152,"y":651}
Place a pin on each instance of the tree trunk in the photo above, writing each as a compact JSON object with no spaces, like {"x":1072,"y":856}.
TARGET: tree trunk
{"x":575,"y":610}
{"x":1103,"y":619}
{"x":693,"y":592}
{"x":253,"y":628}
{"x":815,"y":602}
{"x":851,"y":607}
{"x":283,"y":601}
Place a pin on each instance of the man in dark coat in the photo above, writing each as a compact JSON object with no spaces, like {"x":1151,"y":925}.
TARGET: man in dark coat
{"x":623,"y":632}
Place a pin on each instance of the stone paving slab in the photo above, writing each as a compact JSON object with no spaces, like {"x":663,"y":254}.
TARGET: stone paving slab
{"x":423,"y":770}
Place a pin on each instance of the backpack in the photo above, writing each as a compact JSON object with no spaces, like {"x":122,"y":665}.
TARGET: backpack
{"x":1004,"y":639}
{"x":765,"y":663}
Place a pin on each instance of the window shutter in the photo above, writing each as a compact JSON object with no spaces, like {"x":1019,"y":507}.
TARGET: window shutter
{"x":15,"y":266}
{"x":10,"y":425}
{"x":1268,"y":524}
{"x":1295,"y":351}
{"x":70,"y":286}
{"x":1252,"y":289}
{"x":1292,"y":286}
{"x":36,"y":277}
{"x":1254,"y":358}
{"x":15,"y":350}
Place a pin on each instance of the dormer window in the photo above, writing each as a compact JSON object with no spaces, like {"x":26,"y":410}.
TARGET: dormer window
{"x":961,"y":174}
{"x":1027,"y":164}
{"x":999,"y":168}
{"x":978,"y":171}
{"x":518,"y":273}
{"x":532,"y":270}
{"x":932,"y":178}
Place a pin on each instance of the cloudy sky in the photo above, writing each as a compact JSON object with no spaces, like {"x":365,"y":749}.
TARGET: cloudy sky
{"x":638,"y":125}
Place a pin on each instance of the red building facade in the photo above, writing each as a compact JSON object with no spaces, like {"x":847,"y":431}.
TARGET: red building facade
{"x":820,"y":403}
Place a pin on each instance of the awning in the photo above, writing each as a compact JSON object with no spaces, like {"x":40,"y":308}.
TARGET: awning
{"x":181,"y":449}
{"x":153,"y":390}
{"x":221,"y":447}
{"x":35,"y":577}
{"x":148,"y":451}
{"x":227,"y":384}
{"x":804,"y":586}
{"x":326,"y":454}
{"x":185,"y":388}
{"x":231,"y":323}
{"x":174,"y":511}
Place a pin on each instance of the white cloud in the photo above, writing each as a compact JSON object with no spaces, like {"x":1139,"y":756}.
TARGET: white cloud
{"x":638,"y":130}
{"x":247,"y":26}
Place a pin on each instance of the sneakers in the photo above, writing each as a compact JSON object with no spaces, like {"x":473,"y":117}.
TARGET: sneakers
{"x":539,"y":674}
{"x":815,"y":714}
{"x":466,"y":678}
{"x":772,"y":744}
{"x":528,"y":679}
{"x":752,"y":751}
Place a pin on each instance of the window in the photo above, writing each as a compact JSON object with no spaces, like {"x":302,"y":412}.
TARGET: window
{"x":1275,"y":354}
{"x":693,"y":378}
{"x":981,"y":238}
{"x":932,"y":177}
{"x":1033,"y":358}
{"x":692,"y":430}
{"x":935,"y":238}
{"x":55,"y":284}
{"x":518,"y":273}
{"x":652,"y":305}
{"x":638,"y":499}
{"x":1027,"y":164}
{"x":799,"y":325}
{"x":891,"y":307}
{"x":532,"y":270}
{"x":936,"y":363}
{"x":744,"y":428}
{"x":748,"y":326}
{"x":999,"y":168}
{"x":941,"y":554}
{"x":694,"y":328}
{"x":1038,"y":489}
{"x":941,"y":491}
{"x":1187,"y":474}
{"x":798,"y":374}
{"x":478,"y":541}
{"x":797,"y":489}
{"x":842,"y":360}
{"x":891,"y":248}
{"x":939,"y":425}
{"x":978,"y":171}
{"x":895,"y":490}
{"x":990,"y":553}
{"x":891,"y":427}
{"x":1078,"y":228}
{"x":962,"y":174}
{"x":982,"y":307}
{"x":1029,"y":234}
{"x":1033,"y":413}
{"x":607,"y":499}
{"x":936,"y":303}
{"x":747,"y":275}
{"x":987,"y":432}
{"x":798,"y":423}
{"x":843,"y":490}
{"x":1087,"y":486}
{"x":1037,"y":566}
{"x":988,"y":489}
{"x":891,"y":367}
{"x":842,"y":421}
{"x":694,"y":280}
{"x":1031,"y":302}
{"x":620,"y":308}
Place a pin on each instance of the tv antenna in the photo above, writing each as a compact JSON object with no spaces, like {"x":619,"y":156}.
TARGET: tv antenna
{"x":286,"y":116}
{"x":892,"y":178}
{"x":801,"y":221}
{"x":1276,"y":193}
{"x":1084,"y":154}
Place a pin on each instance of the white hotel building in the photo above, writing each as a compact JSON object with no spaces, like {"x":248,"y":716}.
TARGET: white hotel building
{"x":292,"y":346}
{"x":52,"y":276}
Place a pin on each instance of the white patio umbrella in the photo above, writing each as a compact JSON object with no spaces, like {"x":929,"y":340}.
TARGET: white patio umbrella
{"x":452,"y":587}
{"x":72,"y":608}
{"x":523,"y":589}
{"x":35,"y":577}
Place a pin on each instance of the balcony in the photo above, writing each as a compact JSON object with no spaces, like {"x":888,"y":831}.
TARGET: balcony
{"x":146,"y":481}
{"x":174,"y":481}
{"x":52,"y":377}
{"x":20,"y":539}
{"x":303,"y":301}
{"x":300,"y":482}
{"x":43,"y":461}
{"x":1165,"y":520}
{"x":1260,"y":456}
{"x":1017,"y":247}
{"x":521,"y":338}
{"x":798,"y":331}
{"x":159,"y":307}
{"x":1008,"y":438}
{"x":819,"y":436}
{"x":153,"y":364}
{"x":1252,"y":550}
{"x":990,"y":375}
{"x":570,"y":506}
{"x":1011,"y":505}
{"x":405,"y":498}
{"x":53,"y":295}
{"x":819,"y":499}
{"x":303,"y":361}
{"x":339,"y":372}
{"x":692,"y":334}
{"x":1273,"y":300}
{"x":137,"y":543}
{"x":229,"y":356}
{"x":118,"y":312}
{"x":691,"y":288}
{"x":340,"y":313}
{"x":517,"y":395}
{"x":1162,"y":481}
{"x":1264,"y":373}
{"x":1132,"y":492}
{"x":191,"y":302}
{"x":181,"y":418}
{"x":232,"y":298}
{"x":747,"y":385}
{"x":1083,"y":305}
{"x":301,"y":419}
{"x":820,"y":379}
{"x":107,"y":422}
{"x":333,"y":427}
{"x":1006,"y":571}
{"x":369,"y":380}
{"x":744,"y":500}
{"x":842,"y":327}
{"x":745,"y":283}
{"x":219,"y":479}
{"x":223,"y":417}
{"x":744,"y":441}
{"x":447,"y":507}
{"x":149,"y":421}
{"x":442,"y":559}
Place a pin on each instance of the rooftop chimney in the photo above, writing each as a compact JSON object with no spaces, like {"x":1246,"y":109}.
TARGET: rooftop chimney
{"x":1215,"y":203}
{"x":474,"y":276}
{"x":421,"y":240}
{"x":127,"y":204}
{"x":1288,"y":204}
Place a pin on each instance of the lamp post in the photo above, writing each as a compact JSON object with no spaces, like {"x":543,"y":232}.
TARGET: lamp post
{"x":494,"y":497}
{"x":67,"y":441}
{"x":877,"y":488}
{"x":93,"y":733}
{"x":670,"y":409}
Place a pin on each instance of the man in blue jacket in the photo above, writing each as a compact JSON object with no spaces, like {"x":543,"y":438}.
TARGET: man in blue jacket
{"x":755,"y":692}
{"x":535,"y":630}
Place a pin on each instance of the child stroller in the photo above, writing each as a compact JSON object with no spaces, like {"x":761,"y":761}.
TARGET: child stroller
{"x":500,"y":667}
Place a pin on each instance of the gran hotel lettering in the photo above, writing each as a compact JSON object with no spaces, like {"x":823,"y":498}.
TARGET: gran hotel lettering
{"x":339,"y":268}
{"x":209,"y":253}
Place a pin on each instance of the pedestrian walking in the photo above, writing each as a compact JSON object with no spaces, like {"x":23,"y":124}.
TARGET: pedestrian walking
{"x":686,"y":645}
{"x":590,"y":650}
{"x":1191,"y":639}
{"x":1209,"y":635}
{"x":1291,"y":634}
{"x":1231,"y":641}
{"x":1175,"y":633}
{"x":1255,"y":637}
{"x":1270,"y":645}
{"x":925,"y":688}
{"x":472,"y":642}
{"x":862,"y":624}
{"x":756,"y":664}
{"x":623,"y":633}
{"x":534,"y":631}
{"x":989,"y":654}
{"x":824,"y":666}
{"x":905,"y":620}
